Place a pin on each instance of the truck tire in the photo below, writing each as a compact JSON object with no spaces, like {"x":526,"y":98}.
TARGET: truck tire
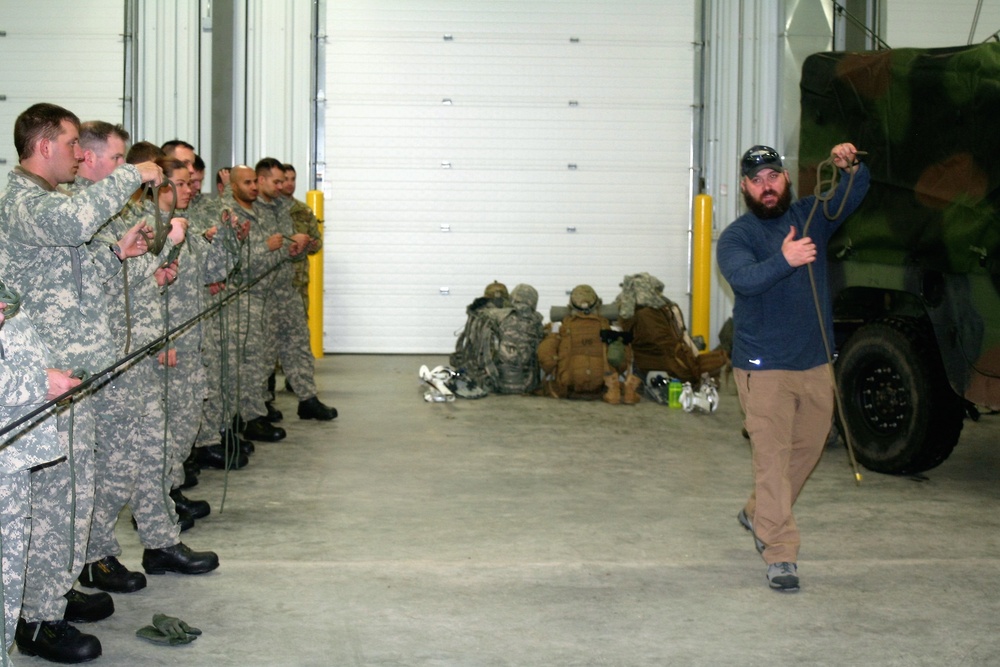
{"x":902,"y":414}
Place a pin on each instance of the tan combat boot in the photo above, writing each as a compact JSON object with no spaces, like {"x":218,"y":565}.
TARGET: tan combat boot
{"x":631,"y":394}
{"x":613,"y":390}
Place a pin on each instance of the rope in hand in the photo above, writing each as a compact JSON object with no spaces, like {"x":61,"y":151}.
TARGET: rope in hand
{"x":161,"y":229}
{"x":82,"y":375}
{"x":301,"y":256}
{"x":154,"y":243}
{"x":824,"y":192}
{"x":165,"y":488}
{"x":11,"y":298}
{"x":159,"y":340}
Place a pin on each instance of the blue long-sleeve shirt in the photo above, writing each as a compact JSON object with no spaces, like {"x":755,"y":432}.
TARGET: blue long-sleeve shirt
{"x":774,"y":317}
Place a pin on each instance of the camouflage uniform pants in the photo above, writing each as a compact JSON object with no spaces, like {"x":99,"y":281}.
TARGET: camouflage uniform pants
{"x":15,"y":515}
{"x":50,"y":573}
{"x":287,"y":340}
{"x":184,"y":401}
{"x":300,"y":281}
{"x":255,"y":365}
{"x":222,"y":353}
{"x":133,"y":464}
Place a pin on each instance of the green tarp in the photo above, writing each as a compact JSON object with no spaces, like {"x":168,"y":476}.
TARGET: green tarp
{"x":930,"y":122}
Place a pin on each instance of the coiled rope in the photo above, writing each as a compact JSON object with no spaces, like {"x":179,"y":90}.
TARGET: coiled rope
{"x":824,"y":192}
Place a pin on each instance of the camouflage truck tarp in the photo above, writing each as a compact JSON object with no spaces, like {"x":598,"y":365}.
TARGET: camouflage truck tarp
{"x":930,"y":122}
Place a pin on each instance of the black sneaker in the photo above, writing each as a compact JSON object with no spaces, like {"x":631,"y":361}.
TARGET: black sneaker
{"x":56,"y":641}
{"x":108,"y":574}
{"x":84,"y":608}
{"x":783,"y":577}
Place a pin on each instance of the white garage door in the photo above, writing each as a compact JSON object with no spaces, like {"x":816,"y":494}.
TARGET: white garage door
{"x":538,"y":141}
{"x":66,"y":52}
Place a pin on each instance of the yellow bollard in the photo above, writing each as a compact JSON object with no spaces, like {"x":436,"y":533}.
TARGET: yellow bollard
{"x":314,"y":198}
{"x":701,"y":267}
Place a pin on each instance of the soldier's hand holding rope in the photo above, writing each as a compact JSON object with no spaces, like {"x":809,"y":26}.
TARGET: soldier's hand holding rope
{"x":178,"y":229}
{"x":60,"y":381}
{"x":168,"y":357}
{"x":275,"y":241}
{"x":299,"y":245}
{"x":166,"y":274}
{"x":150,"y":172}
{"x":134,"y":242}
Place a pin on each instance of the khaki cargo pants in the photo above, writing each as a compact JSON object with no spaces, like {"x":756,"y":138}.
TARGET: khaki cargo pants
{"x":788,"y":417}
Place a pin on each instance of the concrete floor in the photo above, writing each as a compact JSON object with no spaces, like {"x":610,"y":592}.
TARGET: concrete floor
{"x":529,"y":531}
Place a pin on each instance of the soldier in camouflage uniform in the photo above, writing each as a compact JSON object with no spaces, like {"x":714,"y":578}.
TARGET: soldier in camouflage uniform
{"x":59,"y":277}
{"x":133,"y":453}
{"x":303,"y":222}
{"x":264,"y":252}
{"x":226,"y":224}
{"x":26,"y":383}
{"x":219,"y":222}
{"x":200,"y":263}
{"x":286,"y":333}
{"x":211,"y":254}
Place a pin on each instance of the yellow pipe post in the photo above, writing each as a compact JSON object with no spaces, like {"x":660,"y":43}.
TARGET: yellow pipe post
{"x":314,"y":198}
{"x":701,"y":267}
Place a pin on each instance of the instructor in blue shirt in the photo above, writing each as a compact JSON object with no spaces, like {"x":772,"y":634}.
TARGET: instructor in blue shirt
{"x":779,"y":360}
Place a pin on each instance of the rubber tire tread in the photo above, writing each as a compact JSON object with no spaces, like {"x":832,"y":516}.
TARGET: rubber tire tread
{"x":938,"y":413}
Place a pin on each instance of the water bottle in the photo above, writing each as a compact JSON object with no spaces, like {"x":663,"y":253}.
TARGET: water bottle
{"x":674,"y":393}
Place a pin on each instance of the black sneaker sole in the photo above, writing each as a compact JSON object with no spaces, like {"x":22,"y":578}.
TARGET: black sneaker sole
{"x":783,"y":586}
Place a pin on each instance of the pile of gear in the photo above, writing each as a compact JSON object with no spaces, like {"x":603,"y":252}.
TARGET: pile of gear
{"x":589,"y":350}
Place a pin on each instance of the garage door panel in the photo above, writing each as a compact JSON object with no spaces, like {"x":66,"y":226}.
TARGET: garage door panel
{"x":42,"y":59}
{"x":506,"y":152}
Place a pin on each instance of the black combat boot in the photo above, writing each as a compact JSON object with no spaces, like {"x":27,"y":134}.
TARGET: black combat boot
{"x":180,"y":559}
{"x":56,"y":641}
{"x":108,"y":574}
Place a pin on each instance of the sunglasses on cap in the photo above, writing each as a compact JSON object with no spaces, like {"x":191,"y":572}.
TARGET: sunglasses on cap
{"x":759,"y":157}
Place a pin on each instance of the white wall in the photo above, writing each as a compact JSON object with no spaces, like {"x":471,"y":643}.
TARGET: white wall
{"x":932,"y":23}
{"x":61,"y":51}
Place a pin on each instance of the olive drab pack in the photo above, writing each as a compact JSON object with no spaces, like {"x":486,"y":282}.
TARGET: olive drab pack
{"x":497,"y":347}
{"x":660,"y":340}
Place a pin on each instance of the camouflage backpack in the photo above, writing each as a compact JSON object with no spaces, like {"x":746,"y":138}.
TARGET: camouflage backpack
{"x":497,"y":348}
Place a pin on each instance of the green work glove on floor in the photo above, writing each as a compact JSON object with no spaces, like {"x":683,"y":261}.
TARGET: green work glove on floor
{"x":151,"y":634}
{"x":168,"y":630}
{"x":174,"y":627}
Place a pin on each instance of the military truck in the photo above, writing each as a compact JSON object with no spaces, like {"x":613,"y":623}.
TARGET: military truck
{"x":915,"y":271}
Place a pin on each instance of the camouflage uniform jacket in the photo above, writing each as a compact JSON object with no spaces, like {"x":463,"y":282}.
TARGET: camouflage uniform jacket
{"x":59,"y":277}
{"x":304,"y":222}
{"x":23,"y":387}
{"x":139,"y":321}
{"x":201,"y":262}
{"x":265,"y":221}
{"x":204,"y":211}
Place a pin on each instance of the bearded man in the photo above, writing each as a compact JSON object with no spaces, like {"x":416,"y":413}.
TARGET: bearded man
{"x":779,"y":359}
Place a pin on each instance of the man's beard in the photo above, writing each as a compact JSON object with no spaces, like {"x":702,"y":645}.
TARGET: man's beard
{"x":769,"y":212}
